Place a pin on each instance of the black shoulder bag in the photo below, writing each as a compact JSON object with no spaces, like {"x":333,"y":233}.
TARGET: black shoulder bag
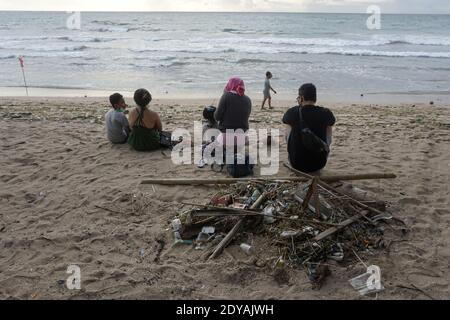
{"x":310,"y":140}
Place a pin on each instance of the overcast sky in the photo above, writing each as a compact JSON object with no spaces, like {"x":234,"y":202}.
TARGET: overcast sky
{"x":387,"y":6}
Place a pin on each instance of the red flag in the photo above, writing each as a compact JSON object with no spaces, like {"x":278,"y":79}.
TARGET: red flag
{"x":21,"y":62}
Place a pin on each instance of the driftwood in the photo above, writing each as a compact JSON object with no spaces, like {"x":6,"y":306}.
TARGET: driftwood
{"x":330,"y":188}
{"x":351,"y":177}
{"x":229,"y":237}
{"x":335,"y":228}
{"x":224,"y":211}
{"x":226,"y":181}
{"x":303,"y":178}
{"x":221,"y":213}
{"x":355,"y":177}
{"x":311,"y":192}
{"x":346,"y":223}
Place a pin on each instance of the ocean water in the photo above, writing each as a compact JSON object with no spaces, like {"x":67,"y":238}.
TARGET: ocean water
{"x":193,"y":54}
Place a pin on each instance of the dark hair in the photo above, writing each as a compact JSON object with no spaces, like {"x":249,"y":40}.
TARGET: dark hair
{"x":208,"y":113}
{"x":115,"y":99}
{"x":142,"y":97}
{"x":268,"y":74}
{"x":308,"y":91}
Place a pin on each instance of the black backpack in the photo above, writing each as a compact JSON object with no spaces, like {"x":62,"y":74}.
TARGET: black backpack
{"x":237,"y":170}
{"x":310,"y":140}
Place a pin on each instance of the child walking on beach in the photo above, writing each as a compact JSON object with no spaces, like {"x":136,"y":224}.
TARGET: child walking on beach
{"x":267,"y":89}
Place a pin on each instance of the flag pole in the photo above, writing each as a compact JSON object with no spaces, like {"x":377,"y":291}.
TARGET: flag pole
{"x":23,"y":74}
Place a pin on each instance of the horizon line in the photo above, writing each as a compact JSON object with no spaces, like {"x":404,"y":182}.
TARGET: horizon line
{"x":237,"y":12}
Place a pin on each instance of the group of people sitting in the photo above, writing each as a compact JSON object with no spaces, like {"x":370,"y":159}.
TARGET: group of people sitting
{"x":308,"y":126}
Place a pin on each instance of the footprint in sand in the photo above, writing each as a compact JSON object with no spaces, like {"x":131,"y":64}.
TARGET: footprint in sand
{"x":412,"y":201}
{"x":10,"y":178}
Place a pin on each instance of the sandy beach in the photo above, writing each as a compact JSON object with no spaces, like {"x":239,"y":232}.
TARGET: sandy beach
{"x":67,"y":196}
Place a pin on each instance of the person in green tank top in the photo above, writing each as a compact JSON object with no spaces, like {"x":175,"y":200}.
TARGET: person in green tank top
{"x":145,"y":124}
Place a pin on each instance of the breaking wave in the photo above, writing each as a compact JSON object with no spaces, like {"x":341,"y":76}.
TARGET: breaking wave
{"x":8,"y":56}
{"x":110,"y":23}
{"x":355,"y":43}
{"x":112,"y":29}
{"x":88,"y":39}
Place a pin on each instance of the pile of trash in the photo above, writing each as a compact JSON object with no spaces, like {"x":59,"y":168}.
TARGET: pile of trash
{"x":308,"y":223}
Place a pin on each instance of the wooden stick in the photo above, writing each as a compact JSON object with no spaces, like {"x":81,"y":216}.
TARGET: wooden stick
{"x":333,"y":230}
{"x":309,"y":195}
{"x":350,"y":221}
{"x":109,"y":210}
{"x":367,"y":176}
{"x":226,"y":181}
{"x":317,"y":202}
{"x":415,"y":288}
{"x":226,"y":241}
{"x":304,"y":177}
{"x":301,"y":201}
{"x":360,"y":260}
{"x":355,"y":177}
{"x":221,"y":211}
{"x":203,"y":222}
{"x":222,"y":245}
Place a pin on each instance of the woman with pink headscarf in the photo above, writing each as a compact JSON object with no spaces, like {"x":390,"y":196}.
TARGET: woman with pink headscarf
{"x":234,"y":107}
{"x":233,"y":113}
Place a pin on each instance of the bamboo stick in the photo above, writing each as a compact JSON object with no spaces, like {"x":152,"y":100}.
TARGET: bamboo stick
{"x":303,"y":178}
{"x":309,"y":195}
{"x":226,"y":241}
{"x":354,"y":177}
{"x":329,"y":232}
{"x":223,"y":212}
{"x":226,"y":181}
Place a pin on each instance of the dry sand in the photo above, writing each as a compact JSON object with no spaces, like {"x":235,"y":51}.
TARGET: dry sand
{"x":57,"y":169}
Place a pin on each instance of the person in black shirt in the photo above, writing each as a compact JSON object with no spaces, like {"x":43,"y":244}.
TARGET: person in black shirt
{"x":319,"y":120}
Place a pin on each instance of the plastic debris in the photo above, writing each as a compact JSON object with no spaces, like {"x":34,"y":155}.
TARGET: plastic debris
{"x":280,"y":263}
{"x":252,"y":199}
{"x":204,"y":237}
{"x":209,"y":230}
{"x":367,"y":284}
{"x":337,"y":253}
{"x":269,"y":214}
{"x":310,"y":231}
{"x":289,"y":234}
{"x":187,"y":242}
{"x":176,"y":227}
{"x":239,"y":206}
{"x":317,"y":273}
{"x":304,"y":238}
{"x":222,"y":201}
{"x":248,"y":249}
{"x":201,"y":164}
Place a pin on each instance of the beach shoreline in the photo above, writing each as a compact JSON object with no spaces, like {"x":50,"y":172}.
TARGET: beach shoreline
{"x":59,"y":173}
{"x":211,"y":98}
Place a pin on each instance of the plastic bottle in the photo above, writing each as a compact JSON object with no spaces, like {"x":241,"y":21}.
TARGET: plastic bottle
{"x":255,"y":196}
{"x":176,"y":227}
